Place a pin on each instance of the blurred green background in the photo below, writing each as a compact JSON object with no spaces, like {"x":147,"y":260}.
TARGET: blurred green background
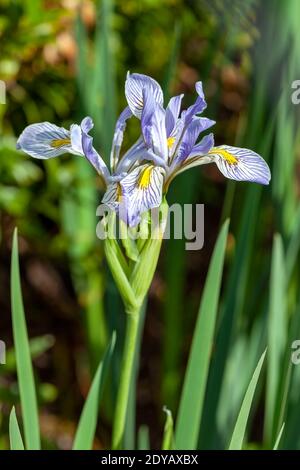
{"x":61,"y":60}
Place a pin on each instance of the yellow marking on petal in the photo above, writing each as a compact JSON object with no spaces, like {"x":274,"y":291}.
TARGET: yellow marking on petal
{"x":145,"y":177}
{"x":170,"y":142}
{"x":119,"y":193}
{"x":229,"y":157}
{"x":60,"y":142}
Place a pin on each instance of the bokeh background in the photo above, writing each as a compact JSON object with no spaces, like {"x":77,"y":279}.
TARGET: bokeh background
{"x":64,"y":59}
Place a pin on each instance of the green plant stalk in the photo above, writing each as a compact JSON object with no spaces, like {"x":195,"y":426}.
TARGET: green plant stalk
{"x":125,"y":379}
{"x":133,"y":282}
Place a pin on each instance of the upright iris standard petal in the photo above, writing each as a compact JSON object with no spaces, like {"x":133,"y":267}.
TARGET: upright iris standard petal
{"x":196,"y":108}
{"x":87,"y":124}
{"x":118,"y":137}
{"x":172,"y":113}
{"x":241,"y":164}
{"x":134,"y":86}
{"x":76,"y":133}
{"x":142,"y":190}
{"x":76,"y":138}
{"x":203,"y":147}
{"x":45,"y":140}
{"x":153,"y":126}
{"x":147,"y":115}
{"x":90,"y":153}
{"x":191,"y":135}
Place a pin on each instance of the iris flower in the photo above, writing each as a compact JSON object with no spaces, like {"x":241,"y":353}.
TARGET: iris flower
{"x":172,"y":140}
{"x":169,"y":144}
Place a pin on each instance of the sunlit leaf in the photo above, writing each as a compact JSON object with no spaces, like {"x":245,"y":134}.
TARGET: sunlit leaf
{"x":15,"y":438}
{"x":23,"y":359}
{"x":88,"y":420}
{"x":237,"y":438}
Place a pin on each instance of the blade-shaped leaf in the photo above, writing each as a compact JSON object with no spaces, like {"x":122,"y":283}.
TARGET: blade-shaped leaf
{"x":279,"y":438}
{"x":277,"y":335}
{"x":104,"y":77}
{"x":241,"y":422}
{"x":143,"y":438}
{"x":88,"y":420}
{"x":233,"y":303}
{"x":168,"y":437}
{"x":173,"y":60}
{"x":23,"y":359}
{"x":191,"y":403}
{"x":15,"y":438}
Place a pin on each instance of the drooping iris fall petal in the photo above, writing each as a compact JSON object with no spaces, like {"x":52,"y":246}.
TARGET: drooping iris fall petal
{"x":45,"y":140}
{"x":241,"y":164}
{"x":142,"y":189}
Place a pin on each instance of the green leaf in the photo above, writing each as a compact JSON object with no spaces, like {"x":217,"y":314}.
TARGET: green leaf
{"x":15,"y":438}
{"x":104,"y":74}
{"x":233,"y":303}
{"x":82,"y":64}
{"x":191,"y":403}
{"x":173,"y":60}
{"x":143,"y":438}
{"x":168,"y":437}
{"x":23,"y":359}
{"x":277,"y":336}
{"x":241,"y":422}
{"x":293,"y":245}
{"x":88,"y":420}
{"x":175,"y":274}
{"x":279,"y":438}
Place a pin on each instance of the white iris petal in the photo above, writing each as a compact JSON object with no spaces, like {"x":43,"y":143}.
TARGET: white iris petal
{"x":134,"y":86}
{"x":142,"y":189}
{"x":241,"y":164}
{"x":45,"y":140}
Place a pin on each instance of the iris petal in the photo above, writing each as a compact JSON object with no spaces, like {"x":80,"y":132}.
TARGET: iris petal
{"x":132,"y":157}
{"x":113,"y":196}
{"x":172,"y":113}
{"x":87,"y":124}
{"x":90,"y":153}
{"x":76,"y":138}
{"x":153,"y":125}
{"x":203,"y":147}
{"x":134,"y":86}
{"x":142,"y":189}
{"x":191,"y":135}
{"x":197,"y":157}
{"x":45,"y":140}
{"x":196,"y":108}
{"x":241,"y":164}
{"x":118,"y":137}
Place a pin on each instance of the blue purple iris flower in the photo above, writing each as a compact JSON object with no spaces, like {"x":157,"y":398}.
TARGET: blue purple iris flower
{"x":169,"y":144}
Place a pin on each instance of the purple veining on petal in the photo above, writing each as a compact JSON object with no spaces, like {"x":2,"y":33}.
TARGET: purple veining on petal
{"x":191,"y":135}
{"x":118,"y":137}
{"x":135,"y":84}
{"x":90,"y":153}
{"x":172,"y":113}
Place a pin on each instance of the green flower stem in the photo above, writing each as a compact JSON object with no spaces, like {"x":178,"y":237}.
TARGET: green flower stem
{"x":125,"y":379}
